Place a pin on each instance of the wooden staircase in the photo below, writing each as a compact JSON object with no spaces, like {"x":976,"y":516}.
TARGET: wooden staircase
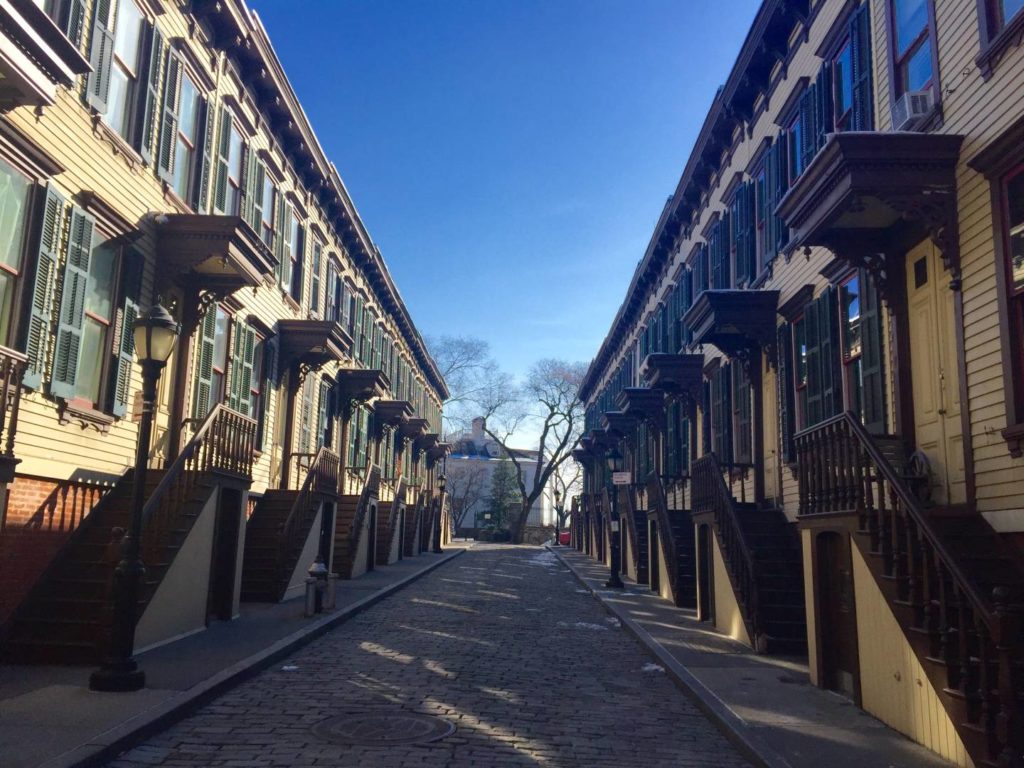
{"x":636,"y":528}
{"x":349,"y":523}
{"x":279,"y":528}
{"x":676,"y":539}
{"x":762,"y":555}
{"x":65,"y":619}
{"x":413,"y":515}
{"x":388,"y":519}
{"x":956,"y":588}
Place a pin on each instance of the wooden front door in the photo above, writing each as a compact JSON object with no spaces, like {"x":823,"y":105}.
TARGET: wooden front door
{"x":937,"y":427}
{"x":837,"y":614}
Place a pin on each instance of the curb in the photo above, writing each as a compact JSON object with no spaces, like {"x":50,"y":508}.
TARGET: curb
{"x":109,"y":744}
{"x":733,"y":727}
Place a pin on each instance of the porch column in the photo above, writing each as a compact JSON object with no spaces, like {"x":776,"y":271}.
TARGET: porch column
{"x":756,"y":374}
{"x":291,"y":391}
{"x":182,"y":366}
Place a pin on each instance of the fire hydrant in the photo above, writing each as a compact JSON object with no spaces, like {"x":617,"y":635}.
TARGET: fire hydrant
{"x":316,"y":586}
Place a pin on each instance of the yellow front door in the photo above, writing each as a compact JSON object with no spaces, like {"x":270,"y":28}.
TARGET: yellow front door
{"x":934,"y":373}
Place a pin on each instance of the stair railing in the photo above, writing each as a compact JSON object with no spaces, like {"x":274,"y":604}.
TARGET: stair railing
{"x":370,"y":489}
{"x":320,"y":478}
{"x":712,"y":495}
{"x":979,"y":637}
{"x":393,"y":517}
{"x":627,"y":508}
{"x":666,"y":540}
{"x":224,"y":442}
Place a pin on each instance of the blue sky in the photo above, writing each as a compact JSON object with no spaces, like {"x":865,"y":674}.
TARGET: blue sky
{"x":509,"y":157}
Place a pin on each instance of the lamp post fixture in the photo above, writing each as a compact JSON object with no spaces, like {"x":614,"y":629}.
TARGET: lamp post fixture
{"x":155,"y":334}
{"x":558,"y":517}
{"x":441,"y":483}
{"x":614,"y":461}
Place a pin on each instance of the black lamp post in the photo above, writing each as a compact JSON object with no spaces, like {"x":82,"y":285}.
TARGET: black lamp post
{"x":614,"y":461}
{"x":155,"y":333}
{"x":441,"y":483}
{"x":558,"y":517}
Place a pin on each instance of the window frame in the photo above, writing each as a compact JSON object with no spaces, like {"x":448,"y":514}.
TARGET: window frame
{"x":851,"y":363}
{"x":894,"y":60}
{"x":128,"y":116}
{"x":841,"y":121}
{"x":799,"y":387}
{"x":995,"y":42}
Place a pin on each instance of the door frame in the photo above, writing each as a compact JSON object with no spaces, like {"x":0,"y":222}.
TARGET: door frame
{"x":227,"y":530}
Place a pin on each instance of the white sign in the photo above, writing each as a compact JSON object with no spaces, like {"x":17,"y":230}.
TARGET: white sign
{"x":615,"y":526}
{"x":622,"y":478}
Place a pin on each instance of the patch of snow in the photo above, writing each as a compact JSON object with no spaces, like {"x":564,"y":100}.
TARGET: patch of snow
{"x":649,"y":667}
{"x":545,"y":558}
{"x":289,"y":668}
{"x":614,"y":621}
{"x":584,"y":625}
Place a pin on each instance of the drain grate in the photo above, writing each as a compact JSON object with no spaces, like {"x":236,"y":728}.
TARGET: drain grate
{"x":383,"y":729}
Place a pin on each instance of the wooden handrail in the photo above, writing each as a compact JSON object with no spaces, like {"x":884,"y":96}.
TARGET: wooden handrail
{"x":712,"y":495}
{"x":224,"y":442}
{"x":670,"y":554}
{"x":843,"y":469}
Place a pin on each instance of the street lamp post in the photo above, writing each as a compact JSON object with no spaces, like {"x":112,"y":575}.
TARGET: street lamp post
{"x":155,"y":334}
{"x":614,"y":459}
{"x":441,"y":483}
{"x":558,"y":518}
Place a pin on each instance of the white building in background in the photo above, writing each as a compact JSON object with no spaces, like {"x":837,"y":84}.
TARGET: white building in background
{"x":475,"y":449}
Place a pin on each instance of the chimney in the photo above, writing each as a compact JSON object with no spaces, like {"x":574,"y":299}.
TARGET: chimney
{"x":478,"y":430}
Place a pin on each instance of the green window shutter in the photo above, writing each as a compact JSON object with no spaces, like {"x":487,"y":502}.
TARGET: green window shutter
{"x":671,"y":436}
{"x":780,"y":231}
{"x":279,"y":238}
{"x":220,"y":195}
{"x":306,"y":416}
{"x":705,"y":421}
{"x":742,"y":442}
{"x":322,"y":420}
{"x":872,"y":356}
{"x":202,"y":396}
{"x":860,"y":54}
{"x":242,"y":355}
{"x":264,"y":437}
{"x":74,"y":286}
{"x":101,"y":54}
{"x":684,"y":442}
{"x":124,"y":336}
{"x":315,"y":266}
{"x":784,"y":391}
{"x":169,"y":117}
{"x":149,"y":104}
{"x":831,"y":351}
{"x":40,"y":312}
{"x":814,"y":384}
{"x":252,"y":202}
{"x":808,"y":143}
{"x":357,"y":329}
{"x":72,"y":21}
{"x":201,"y":184}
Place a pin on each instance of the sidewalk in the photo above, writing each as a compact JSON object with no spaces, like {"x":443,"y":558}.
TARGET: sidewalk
{"x":48,"y":716}
{"x":765,"y":705}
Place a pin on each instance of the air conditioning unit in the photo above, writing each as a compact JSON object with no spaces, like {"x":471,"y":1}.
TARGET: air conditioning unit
{"x":910,"y":109}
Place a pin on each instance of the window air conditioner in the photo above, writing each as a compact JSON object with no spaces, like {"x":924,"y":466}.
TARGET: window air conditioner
{"x":910,"y":109}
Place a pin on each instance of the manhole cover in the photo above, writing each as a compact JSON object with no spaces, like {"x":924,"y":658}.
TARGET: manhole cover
{"x":383,"y":729}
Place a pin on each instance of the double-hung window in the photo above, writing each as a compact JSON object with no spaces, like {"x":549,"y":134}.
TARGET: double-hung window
{"x":186,"y":139}
{"x":1013,"y":244}
{"x":125,"y":66}
{"x":15,"y":198}
{"x":227,"y":197}
{"x":850,"y":331}
{"x":842,"y":86}
{"x":296,"y":252}
{"x":913,"y":68}
{"x":800,"y":370}
{"x":267,"y":230}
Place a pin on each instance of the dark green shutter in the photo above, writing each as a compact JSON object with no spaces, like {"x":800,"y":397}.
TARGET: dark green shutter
{"x":306,"y":416}
{"x":322,"y":420}
{"x":101,"y":56}
{"x":831,"y":352}
{"x":74,"y":287}
{"x":169,"y":118}
{"x":785,"y":391}
{"x":705,"y":412}
{"x":779,"y":229}
{"x":220,"y":195}
{"x":124,"y":337}
{"x":814,"y":381}
{"x":808,"y":142}
{"x":314,"y":297}
{"x":269,"y":378}
{"x":40,"y":312}
{"x":252,"y":202}
{"x":202,"y":396}
{"x":860,"y":54}
{"x":872,"y":356}
{"x":742,"y":440}
{"x":149,"y":104}
{"x":242,"y":355}
{"x":204,"y":178}
{"x":671,"y":441}
{"x":72,"y":21}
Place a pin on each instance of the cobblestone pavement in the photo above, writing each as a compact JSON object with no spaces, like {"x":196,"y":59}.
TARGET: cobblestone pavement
{"x":502,"y":642}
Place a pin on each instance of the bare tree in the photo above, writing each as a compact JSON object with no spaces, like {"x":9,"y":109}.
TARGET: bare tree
{"x":465,"y":363}
{"x":549,"y":401}
{"x":568,"y":481}
{"x":467,"y":487}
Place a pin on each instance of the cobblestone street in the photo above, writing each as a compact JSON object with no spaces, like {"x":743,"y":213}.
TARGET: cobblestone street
{"x":501,"y":642}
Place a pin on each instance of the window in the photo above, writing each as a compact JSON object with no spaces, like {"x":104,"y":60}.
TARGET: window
{"x":842,"y":82}
{"x":256,"y":381}
{"x":186,"y":138}
{"x":850,"y":330}
{"x":741,"y":416}
{"x":68,"y":15}
{"x":315,"y":266}
{"x":220,"y":356}
{"x":999,"y":13}
{"x":800,"y":370}
{"x":98,"y":314}
{"x":794,"y":149}
{"x":228,"y":196}
{"x":14,"y":205}
{"x":296,"y":253}
{"x":911,"y":45}
{"x":1013,"y":197}
{"x":124,"y":73}
{"x":267,"y":211}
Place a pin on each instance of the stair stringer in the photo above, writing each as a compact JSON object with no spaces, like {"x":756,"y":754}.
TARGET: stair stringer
{"x":895,"y":683}
{"x":296,"y":584}
{"x":730,"y":618}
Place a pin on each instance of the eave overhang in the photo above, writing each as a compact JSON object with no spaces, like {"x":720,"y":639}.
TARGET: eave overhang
{"x":359,"y":385}
{"x":414,"y":429}
{"x":618,"y":425}
{"x":871,"y":193}
{"x":312,"y":343}
{"x":439,"y":451}
{"x":392,"y":413}
{"x":583,"y":456}
{"x":35,"y":56}
{"x":427,"y":442}
{"x":674,"y":375}
{"x":222,"y":253}
{"x":641,"y":404}
{"x":735,"y":321}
